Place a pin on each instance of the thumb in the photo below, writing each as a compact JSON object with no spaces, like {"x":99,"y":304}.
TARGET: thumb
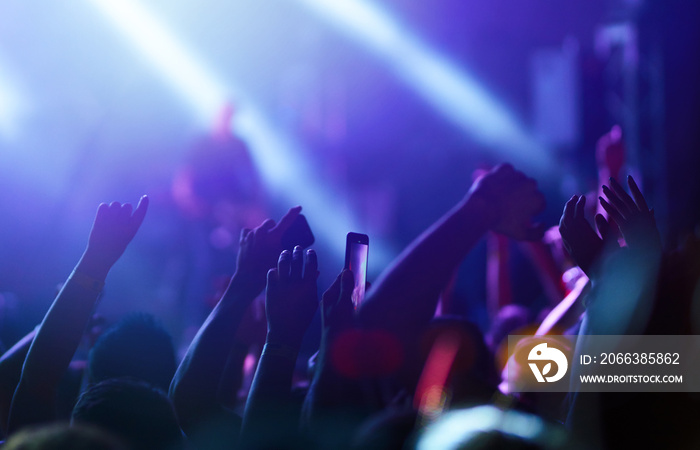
{"x":140,"y":211}
{"x":347,"y":284}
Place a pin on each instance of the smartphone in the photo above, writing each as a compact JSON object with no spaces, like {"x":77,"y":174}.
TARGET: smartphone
{"x":356,"y":257}
{"x":299,"y":233}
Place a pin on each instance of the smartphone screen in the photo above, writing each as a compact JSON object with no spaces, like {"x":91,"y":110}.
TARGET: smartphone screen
{"x":356,"y":256}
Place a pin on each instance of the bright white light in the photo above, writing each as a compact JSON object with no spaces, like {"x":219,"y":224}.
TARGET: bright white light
{"x":285,"y":173}
{"x":278,"y":159}
{"x":451,"y":91}
{"x":12,"y":103}
{"x":182,"y":70}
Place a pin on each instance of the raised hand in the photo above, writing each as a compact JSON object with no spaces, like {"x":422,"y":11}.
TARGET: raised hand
{"x":114,"y":227}
{"x":291,"y":297}
{"x":64,"y":324}
{"x":259,"y":248}
{"x":509,"y":200}
{"x":579,"y":239}
{"x":633,"y":216}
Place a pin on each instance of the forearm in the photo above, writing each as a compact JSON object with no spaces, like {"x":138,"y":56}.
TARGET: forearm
{"x":624,"y":292}
{"x":232,"y":376}
{"x":330,"y":391}
{"x":422,"y":270}
{"x":10,"y":371}
{"x":195,"y":384}
{"x":269,"y":398}
{"x":498,"y":286}
{"x":56,"y":341}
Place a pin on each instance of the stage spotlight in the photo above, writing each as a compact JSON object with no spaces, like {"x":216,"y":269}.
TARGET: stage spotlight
{"x":454,"y":93}
{"x":280,"y":162}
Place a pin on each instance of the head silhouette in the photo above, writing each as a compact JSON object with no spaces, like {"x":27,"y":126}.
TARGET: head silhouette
{"x":133,"y":410}
{"x":135,"y":347}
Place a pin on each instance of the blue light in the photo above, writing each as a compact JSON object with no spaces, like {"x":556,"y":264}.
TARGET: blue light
{"x":286,"y":174}
{"x":451,"y":91}
{"x":13,"y":103}
{"x":277,"y":157}
{"x":178,"y":65}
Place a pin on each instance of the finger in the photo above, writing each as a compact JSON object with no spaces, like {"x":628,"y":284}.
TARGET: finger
{"x":579,"y":212}
{"x":140,"y":211}
{"x":503,"y":168}
{"x":637,"y":194}
{"x":603,"y":226}
{"x":615,"y":201}
{"x":568,"y":213}
{"x":287,"y":220}
{"x":283,"y":264}
{"x":244,"y":234}
{"x":311,"y":268}
{"x":272,"y":277}
{"x":267,"y":225}
{"x":347,"y":284}
{"x":329,"y":298}
{"x":112,"y":210}
{"x":502,"y":173}
{"x":612,"y":212}
{"x":260,"y":232}
{"x":126,"y":209}
{"x":624,"y":196}
{"x":297,"y":263}
{"x":102,"y":212}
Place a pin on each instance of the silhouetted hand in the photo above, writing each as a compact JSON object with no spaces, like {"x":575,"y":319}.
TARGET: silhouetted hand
{"x":509,"y":200}
{"x":114,"y":227}
{"x":579,"y":239}
{"x":260,"y":247}
{"x":336,"y":304}
{"x":633,"y":216}
{"x":291,"y":296}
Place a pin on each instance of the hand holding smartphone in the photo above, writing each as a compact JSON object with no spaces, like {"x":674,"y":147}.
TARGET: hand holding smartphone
{"x":356,"y":257}
{"x":299,"y":233}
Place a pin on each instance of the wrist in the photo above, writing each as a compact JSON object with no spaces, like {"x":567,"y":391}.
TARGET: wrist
{"x":93,"y":266}
{"x":478,"y":211}
{"x":285,"y":339}
{"x":248,"y":283}
{"x":87,"y":282}
{"x":281,"y":350}
{"x":243,"y":288}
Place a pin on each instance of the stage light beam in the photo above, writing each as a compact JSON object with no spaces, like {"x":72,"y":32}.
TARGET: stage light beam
{"x":276,"y":156}
{"x":457,"y":95}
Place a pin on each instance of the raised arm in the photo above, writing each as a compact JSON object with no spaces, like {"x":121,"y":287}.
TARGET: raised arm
{"x":504,"y":200}
{"x":10,"y":371}
{"x":60,"y":332}
{"x":333,"y":395}
{"x":290,"y":304}
{"x":194,"y":389}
